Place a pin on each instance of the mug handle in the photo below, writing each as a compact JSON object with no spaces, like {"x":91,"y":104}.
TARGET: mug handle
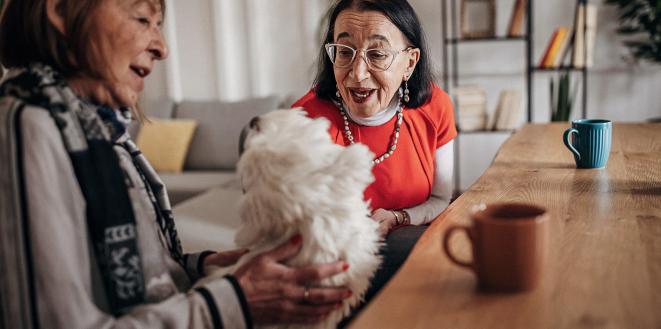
{"x":565,"y":138}
{"x":446,"y":245}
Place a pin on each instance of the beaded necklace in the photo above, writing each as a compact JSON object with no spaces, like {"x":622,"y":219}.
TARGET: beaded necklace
{"x":395,"y":135}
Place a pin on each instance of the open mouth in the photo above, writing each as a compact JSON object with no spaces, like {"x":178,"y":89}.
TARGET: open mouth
{"x":141,"y":72}
{"x":360,"y":95}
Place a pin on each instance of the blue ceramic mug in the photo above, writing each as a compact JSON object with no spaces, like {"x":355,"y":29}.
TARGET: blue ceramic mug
{"x":591,"y":142}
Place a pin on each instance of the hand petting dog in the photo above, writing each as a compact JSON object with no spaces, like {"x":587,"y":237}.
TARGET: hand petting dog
{"x":276,"y":292}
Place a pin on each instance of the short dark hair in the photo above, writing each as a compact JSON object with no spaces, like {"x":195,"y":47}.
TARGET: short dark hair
{"x":27,"y":36}
{"x":400,"y":13}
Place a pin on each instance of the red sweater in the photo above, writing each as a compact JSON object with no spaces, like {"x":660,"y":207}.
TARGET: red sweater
{"x":403,"y":180}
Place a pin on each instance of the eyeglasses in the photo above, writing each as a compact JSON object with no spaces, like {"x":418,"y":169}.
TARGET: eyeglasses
{"x":377,"y":59}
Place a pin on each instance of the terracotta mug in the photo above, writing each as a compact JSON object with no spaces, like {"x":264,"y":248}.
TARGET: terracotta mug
{"x":509,"y":242}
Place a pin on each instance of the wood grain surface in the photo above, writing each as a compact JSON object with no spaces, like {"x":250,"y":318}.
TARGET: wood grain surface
{"x":605,"y":250}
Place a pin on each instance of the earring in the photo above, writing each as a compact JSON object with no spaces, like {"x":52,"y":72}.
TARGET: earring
{"x":406,"y":91}
{"x":337,"y":94}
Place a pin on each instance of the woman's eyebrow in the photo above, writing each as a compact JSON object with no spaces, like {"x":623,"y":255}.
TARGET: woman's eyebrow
{"x":343,"y":35}
{"x":154,"y":7}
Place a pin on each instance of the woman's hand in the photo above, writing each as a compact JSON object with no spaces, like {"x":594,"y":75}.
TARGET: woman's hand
{"x":277,"y":293}
{"x":224,"y":258}
{"x":386,"y":220}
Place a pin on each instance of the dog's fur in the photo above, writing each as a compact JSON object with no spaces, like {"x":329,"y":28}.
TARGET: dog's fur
{"x":296,"y":180}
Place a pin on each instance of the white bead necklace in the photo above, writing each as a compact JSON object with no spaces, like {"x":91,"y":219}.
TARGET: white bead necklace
{"x":395,"y":135}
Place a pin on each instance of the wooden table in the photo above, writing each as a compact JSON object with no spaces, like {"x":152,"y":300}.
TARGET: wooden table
{"x":605,"y":264}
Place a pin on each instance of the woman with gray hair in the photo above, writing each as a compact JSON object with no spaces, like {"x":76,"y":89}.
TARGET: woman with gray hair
{"x":88,"y":238}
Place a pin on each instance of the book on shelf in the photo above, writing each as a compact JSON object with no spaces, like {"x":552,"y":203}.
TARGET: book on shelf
{"x":515,"y":28}
{"x":554,"y":36}
{"x":471,"y":103}
{"x":585,"y":30}
{"x":563,"y":50}
{"x":509,"y":111}
{"x":557,"y":45}
{"x":564,"y":53}
{"x":591,"y":33}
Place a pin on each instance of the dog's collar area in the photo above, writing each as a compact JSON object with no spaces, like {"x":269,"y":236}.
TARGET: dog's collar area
{"x":394,"y":137}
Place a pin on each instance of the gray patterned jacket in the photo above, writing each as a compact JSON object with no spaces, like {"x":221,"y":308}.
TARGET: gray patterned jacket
{"x":49,"y":278}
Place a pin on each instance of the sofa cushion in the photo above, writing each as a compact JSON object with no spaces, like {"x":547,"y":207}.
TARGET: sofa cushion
{"x":160,"y":109}
{"x":216,"y":141}
{"x":165,"y":143}
{"x":191,"y":183}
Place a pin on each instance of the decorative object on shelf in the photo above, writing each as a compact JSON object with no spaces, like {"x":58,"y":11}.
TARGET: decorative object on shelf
{"x":471,"y":102}
{"x":639,"y":22}
{"x":515,"y":28}
{"x":562,"y":97}
{"x":585,"y":32}
{"x":478,"y":18}
{"x":509,"y":112}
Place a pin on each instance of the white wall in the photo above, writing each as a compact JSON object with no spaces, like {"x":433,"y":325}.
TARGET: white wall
{"x":233,"y":49}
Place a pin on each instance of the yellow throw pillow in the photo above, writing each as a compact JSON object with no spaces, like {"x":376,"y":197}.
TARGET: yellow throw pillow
{"x":165,"y":143}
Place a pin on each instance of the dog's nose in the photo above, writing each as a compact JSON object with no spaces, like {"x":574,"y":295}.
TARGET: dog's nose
{"x":254,"y":122}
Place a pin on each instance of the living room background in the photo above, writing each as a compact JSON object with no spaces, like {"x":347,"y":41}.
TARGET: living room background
{"x":232,"y":50}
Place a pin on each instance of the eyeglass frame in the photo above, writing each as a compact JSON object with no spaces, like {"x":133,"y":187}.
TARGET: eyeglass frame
{"x":363,"y":52}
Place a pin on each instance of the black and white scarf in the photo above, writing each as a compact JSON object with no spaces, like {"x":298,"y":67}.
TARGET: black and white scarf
{"x":89,"y":133}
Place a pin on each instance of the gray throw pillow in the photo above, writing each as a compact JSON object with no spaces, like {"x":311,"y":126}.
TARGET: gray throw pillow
{"x":215,"y":143}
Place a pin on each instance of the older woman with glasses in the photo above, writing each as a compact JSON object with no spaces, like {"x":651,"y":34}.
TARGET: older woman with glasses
{"x":374,"y":84}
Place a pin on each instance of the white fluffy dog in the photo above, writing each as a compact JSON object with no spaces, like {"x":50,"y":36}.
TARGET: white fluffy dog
{"x":296,"y":180}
